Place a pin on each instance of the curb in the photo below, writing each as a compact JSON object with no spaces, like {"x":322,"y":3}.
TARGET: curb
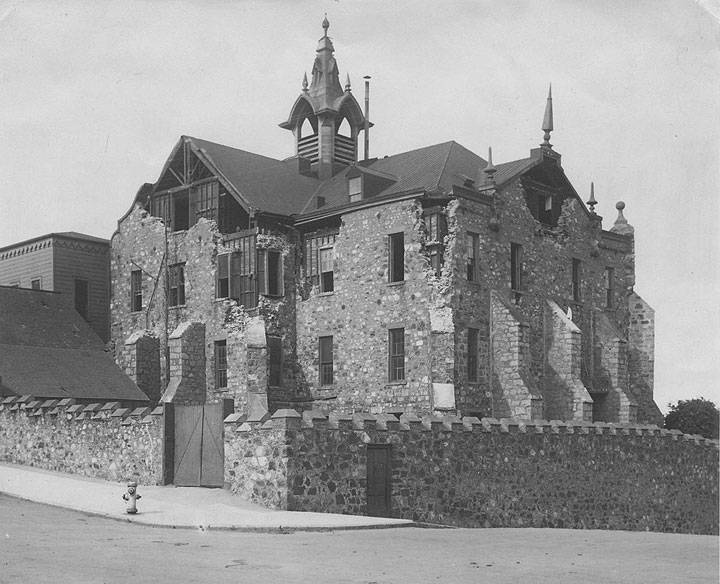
{"x":236,"y":528}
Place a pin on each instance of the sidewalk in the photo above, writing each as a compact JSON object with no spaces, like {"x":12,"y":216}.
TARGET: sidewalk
{"x":184,"y":507}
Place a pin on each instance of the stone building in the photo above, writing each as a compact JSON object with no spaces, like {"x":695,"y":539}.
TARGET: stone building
{"x":74,"y":264}
{"x":427,"y":281}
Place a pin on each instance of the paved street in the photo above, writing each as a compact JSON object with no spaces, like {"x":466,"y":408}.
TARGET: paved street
{"x":47,"y":544}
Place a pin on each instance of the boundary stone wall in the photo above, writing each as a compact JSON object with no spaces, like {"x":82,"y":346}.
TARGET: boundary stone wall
{"x":481,"y":473}
{"x":101,"y":440}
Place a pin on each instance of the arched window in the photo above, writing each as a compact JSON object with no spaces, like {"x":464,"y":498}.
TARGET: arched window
{"x":306,"y":129}
{"x":344,"y":128}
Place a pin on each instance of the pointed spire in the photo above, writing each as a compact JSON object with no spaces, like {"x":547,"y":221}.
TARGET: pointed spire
{"x":325,"y":24}
{"x":547,"y":126}
{"x":490,"y":169}
{"x":347,"y":82}
{"x":591,"y":202}
{"x":305,"y":82}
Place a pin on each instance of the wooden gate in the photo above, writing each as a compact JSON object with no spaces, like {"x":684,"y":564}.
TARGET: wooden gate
{"x":199,"y":456}
{"x":378,"y":480}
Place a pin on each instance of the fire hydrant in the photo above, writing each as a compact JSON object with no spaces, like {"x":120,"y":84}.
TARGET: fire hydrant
{"x":131,"y":497}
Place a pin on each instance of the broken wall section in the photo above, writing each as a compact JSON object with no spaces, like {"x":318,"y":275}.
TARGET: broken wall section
{"x":566,"y":398}
{"x":613,"y":399}
{"x":515,"y":394}
{"x":641,"y":359}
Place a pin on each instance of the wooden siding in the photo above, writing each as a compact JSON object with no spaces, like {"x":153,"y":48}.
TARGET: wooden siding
{"x":27,"y":263}
{"x":88,"y":261}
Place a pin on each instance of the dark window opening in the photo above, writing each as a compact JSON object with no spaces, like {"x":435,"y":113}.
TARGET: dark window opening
{"x":576,"y":280}
{"x":36,"y":284}
{"x":181,"y":211}
{"x":220,"y":364}
{"x":326,"y":360}
{"x":269,"y":272}
{"x":135,"y":290}
{"x":609,"y":287}
{"x":396,"y":354}
{"x":516,"y":281}
{"x":436,"y":228}
{"x":471,"y":250}
{"x":177,"y":285}
{"x":472,"y":354}
{"x":397,"y":257}
{"x":274,"y":346}
{"x":234,"y":275}
{"x":81,"y":297}
{"x":205,"y":200}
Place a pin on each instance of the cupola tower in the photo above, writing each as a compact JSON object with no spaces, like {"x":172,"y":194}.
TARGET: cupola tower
{"x":326,"y":119}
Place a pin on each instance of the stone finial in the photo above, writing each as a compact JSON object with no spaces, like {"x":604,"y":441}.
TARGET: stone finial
{"x":490,"y":169}
{"x":547,"y":125}
{"x":325,"y":24}
{"x":347,"y":82}
{"x":591,"y":202}
{"x":305,"y":82}
{"x":621,"y":225}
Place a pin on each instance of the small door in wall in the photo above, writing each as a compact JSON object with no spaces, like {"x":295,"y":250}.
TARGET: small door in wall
{"x":378,"y":480}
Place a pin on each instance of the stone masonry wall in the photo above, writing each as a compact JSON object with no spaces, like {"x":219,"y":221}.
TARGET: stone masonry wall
{"x":514,"y":392}
{"x":641,"y":358}
{"x":614,"y":401}
{"x":140,"y":244}
{"x":103,"y":441}
{"x":566,"y":398}
{"x":143,"y":363}
{"x":361,"y":310}
{"x":483,"y":474}
{"x":187,"y":365}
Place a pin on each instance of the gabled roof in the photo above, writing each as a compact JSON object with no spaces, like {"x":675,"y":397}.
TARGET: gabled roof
{"x":433,"y":168}
{"x":267,"y":184}
{"x":48,"y":350}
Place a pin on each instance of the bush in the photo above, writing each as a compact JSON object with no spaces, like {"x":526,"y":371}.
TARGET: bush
{"x":694,"y":416}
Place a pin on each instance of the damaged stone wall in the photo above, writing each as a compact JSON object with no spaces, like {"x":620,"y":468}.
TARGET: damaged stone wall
{"x":503,"y":217}
{"x":140,"y":244}
{"x":641,"y":358}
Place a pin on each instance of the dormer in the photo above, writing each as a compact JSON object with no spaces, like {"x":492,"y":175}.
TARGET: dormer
{"x":325,"y":119}
{"x":365,"y":183}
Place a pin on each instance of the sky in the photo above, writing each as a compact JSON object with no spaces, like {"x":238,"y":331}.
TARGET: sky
{"x":94,"y":95}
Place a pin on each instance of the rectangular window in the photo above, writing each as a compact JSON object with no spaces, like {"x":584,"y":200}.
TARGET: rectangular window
{"x":396,"y":269}
{"x":609,"y":287}
{"x":355,"y":189}
{"x":81,"y":297}
{"x":274,"y":347}
{"x":472,"y":354}
{"x":396,"y":354}
{"x":471,"y":249}
{"x":181,"y":211}
{"x":177,"y":285}
{"x":222,"y":283}
{"x":220,"y":364}
{"x":135,"y":290}
{"x":327,"y":283}
{"x":269,"y":268}
{"x":206,"y":200}
{"x":516,"y":259}
{"x":326,"y":360}
{"x":314,"y":247}
{"x":36,"y":284}
{"x":576,"y":279}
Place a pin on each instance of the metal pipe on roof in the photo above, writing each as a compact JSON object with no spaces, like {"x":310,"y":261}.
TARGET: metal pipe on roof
{"x":367,"y":116}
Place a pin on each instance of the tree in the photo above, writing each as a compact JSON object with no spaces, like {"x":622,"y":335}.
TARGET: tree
{"x":694,"y":416}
